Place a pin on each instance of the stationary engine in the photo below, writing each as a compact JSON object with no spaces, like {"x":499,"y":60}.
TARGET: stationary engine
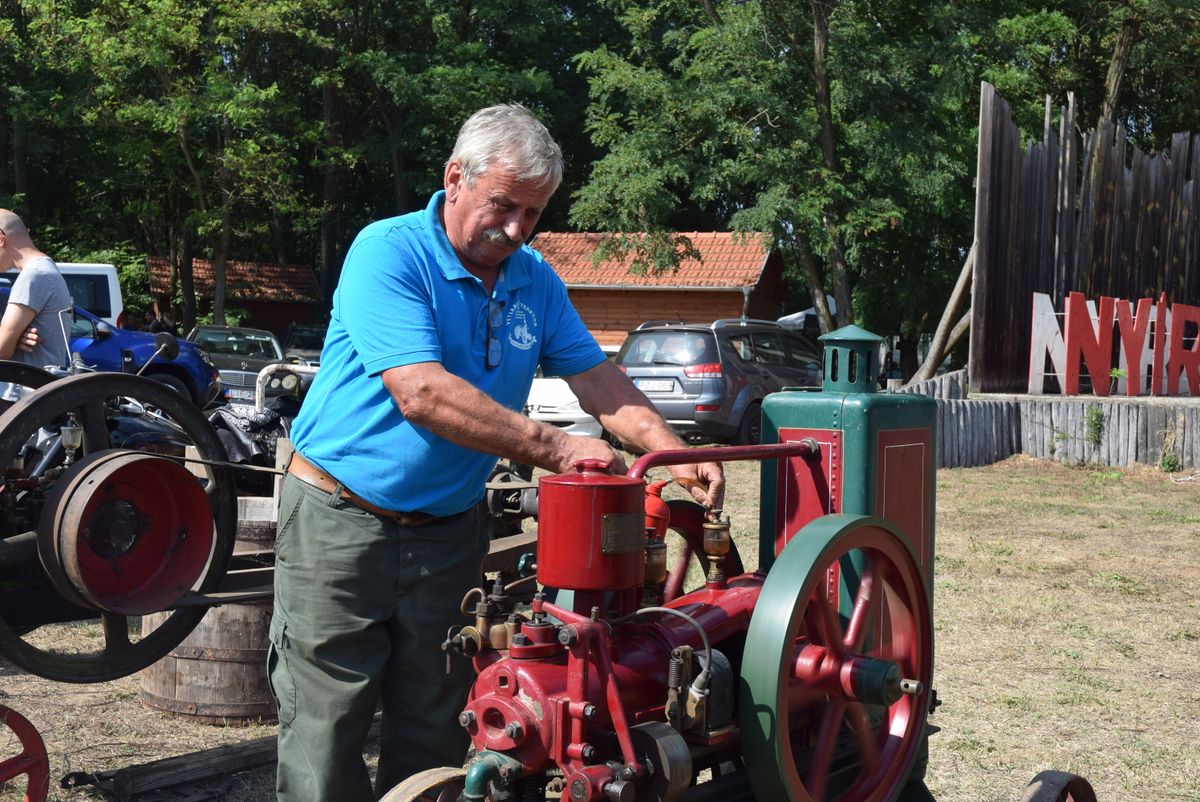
{"x":805,"y":679}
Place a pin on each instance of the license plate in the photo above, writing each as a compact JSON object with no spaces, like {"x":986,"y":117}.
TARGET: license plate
{"x":239,"y":394}
{"x":656,"y":385}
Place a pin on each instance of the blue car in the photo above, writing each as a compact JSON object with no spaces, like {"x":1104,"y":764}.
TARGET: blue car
{"x":106,"y":347}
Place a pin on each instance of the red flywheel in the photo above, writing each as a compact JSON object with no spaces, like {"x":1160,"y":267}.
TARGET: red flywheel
{"x":31,"y":760}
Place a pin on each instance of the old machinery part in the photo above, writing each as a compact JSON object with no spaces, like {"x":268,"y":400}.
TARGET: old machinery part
{"x":837,"y":666}
{"x":591,"y":531}
{"x":656,"y":569}
{"x":126,"y":532}
{"x":664,"y":751}
{"x":687,"y":521}
{"x":510,"y":496}
{"x":717,"y":544}
{"x":685,"y":710}
{"x":1058,"y":786}
{"x":433,"y":785}
{"x":31,"y":761}
{"x":101,"y":404}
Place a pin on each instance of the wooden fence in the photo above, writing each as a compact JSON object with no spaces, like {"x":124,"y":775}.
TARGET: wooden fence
{"x":982,"y":430}
{"x":1113,"y":221}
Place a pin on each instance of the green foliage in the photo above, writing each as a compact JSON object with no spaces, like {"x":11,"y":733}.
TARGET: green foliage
{"x":273,"y":130}
{"x":1093,"y":426}
{"x":1169,"y":462}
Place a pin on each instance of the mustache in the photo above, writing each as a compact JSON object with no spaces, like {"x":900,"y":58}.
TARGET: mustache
{"x":498,"y":236}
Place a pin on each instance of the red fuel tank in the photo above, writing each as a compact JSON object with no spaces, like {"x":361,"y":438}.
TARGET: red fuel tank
{"x":591,"y":529}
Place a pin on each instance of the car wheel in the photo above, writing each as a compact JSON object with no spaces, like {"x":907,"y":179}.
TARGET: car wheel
{"x":750,"y":431}
{"x":175,"y":384}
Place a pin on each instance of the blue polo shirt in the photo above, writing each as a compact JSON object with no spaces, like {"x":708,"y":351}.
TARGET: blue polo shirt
{"x":404,"y":297}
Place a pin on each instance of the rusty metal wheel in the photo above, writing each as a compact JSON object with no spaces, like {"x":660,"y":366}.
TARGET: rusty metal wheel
{"x":1058,"y":786}
{"x":31,"y":761}
{"x":687,"y":521}
{"x":43,"y":582}
{"x":836,"y":666}
{"x":434,"y":785}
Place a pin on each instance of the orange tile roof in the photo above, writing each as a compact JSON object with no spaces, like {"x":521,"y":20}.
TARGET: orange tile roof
{"x":728,"y":261}
{"x":259,"y":281}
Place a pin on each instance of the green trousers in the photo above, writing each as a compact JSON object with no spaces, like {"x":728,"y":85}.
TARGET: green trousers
{"x":362,"y":606}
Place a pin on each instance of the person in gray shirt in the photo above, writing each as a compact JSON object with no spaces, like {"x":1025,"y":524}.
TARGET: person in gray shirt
{"x":34,"y":327}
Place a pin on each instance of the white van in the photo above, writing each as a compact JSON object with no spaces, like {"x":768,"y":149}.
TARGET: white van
{"x":93,"y":287}
{"x":96,"y":289}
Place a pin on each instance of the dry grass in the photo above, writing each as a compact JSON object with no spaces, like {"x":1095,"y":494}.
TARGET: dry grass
{"x":1068,"y":636}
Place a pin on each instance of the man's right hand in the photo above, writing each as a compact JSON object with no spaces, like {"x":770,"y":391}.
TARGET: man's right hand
{"x":581,"y":448}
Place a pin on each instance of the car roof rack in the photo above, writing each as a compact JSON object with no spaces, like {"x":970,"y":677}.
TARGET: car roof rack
{"x":727,"y":322}
{"x":650,"y":323}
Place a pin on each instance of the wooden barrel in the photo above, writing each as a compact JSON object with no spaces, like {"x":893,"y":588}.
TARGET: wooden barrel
{"x":218,"y":674}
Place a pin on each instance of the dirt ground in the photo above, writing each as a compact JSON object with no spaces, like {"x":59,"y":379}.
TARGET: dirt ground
{"x":1067,"y":621}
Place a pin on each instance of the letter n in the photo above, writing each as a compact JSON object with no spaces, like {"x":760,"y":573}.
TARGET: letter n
{"x":1091,"y":342}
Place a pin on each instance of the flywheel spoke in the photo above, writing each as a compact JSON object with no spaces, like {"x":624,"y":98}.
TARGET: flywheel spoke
{"x":824,"y":626}
{"x":868,"y":749}
{"x":866,"y":603}
{"x":822,"y":758}
{"x":116,"y":633}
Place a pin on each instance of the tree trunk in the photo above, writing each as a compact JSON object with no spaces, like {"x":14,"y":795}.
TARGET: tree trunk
{"x":812,"y":275}
{"x":225,"y":233}
{"x":1126,"y":38}
{"x":331,"y":194}
{"x":400,"y":182}
{"x":282,"y":236}
{"x":941,"y":338}
{"x":187,"y":283}
{"x":908,"y":355}
{"x":19,"y":156}
{"x":4,"y":123}
{"x":220,"y":257}
{"x":838,"y":272}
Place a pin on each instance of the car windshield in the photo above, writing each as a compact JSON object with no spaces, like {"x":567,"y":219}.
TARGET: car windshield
{"x":668,"y":348}
{"x":309,"y":339}
{"x":239,"y":343}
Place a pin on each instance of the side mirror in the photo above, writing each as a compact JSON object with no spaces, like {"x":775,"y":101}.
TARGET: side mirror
{"x":166,"y":345}
{"x":103,"y":331}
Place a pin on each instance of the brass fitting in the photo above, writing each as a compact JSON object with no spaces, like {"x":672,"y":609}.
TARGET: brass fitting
{"x":716,"y":547}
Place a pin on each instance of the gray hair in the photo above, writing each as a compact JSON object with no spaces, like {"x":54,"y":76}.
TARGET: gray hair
{"x":510,"y":135}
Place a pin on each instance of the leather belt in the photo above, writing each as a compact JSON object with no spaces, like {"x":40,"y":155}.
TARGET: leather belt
{"x":310,"y":474}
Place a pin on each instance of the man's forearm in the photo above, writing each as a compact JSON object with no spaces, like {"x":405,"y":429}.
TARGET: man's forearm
{"x":457,"y":411}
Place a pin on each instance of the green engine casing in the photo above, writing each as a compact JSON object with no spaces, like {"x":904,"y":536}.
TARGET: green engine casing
{"x":878,"y":452}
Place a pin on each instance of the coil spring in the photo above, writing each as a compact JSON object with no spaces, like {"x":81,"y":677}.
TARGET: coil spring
{"x":533,"y":790}
{"x":675,"y":671}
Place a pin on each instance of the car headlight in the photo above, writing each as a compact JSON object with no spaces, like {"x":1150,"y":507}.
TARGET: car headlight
{"x":207,"y":359}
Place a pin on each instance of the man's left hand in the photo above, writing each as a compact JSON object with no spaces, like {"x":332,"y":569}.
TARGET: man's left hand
{"x":705,"y":481}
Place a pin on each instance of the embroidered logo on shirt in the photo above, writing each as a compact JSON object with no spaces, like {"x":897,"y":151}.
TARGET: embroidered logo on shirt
{"x":522,"y":326}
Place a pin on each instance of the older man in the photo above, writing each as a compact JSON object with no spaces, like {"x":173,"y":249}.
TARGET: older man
{"x":34,"y":327}
{"x":439,"y":321}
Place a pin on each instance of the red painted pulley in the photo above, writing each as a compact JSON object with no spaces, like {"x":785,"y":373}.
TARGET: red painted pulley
{"x":127,"y":532}
{"x":30,"y":761}
{"x":591,"y":529}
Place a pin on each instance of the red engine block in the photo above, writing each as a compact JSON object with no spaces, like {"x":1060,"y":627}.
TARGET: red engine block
{"x":616,"y":695}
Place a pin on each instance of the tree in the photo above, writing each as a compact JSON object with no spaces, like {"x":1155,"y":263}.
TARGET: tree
{"x":843,"y":130}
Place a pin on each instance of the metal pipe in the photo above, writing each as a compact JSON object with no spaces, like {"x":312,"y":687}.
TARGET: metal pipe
{"x":486,"y":768}
{"x":264,"y":375}
{"x":806,"y":448}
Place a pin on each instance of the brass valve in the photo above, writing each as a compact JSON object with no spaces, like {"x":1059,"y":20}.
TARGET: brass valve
{"x":716,"y":547}
{"x":656,"y":569}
